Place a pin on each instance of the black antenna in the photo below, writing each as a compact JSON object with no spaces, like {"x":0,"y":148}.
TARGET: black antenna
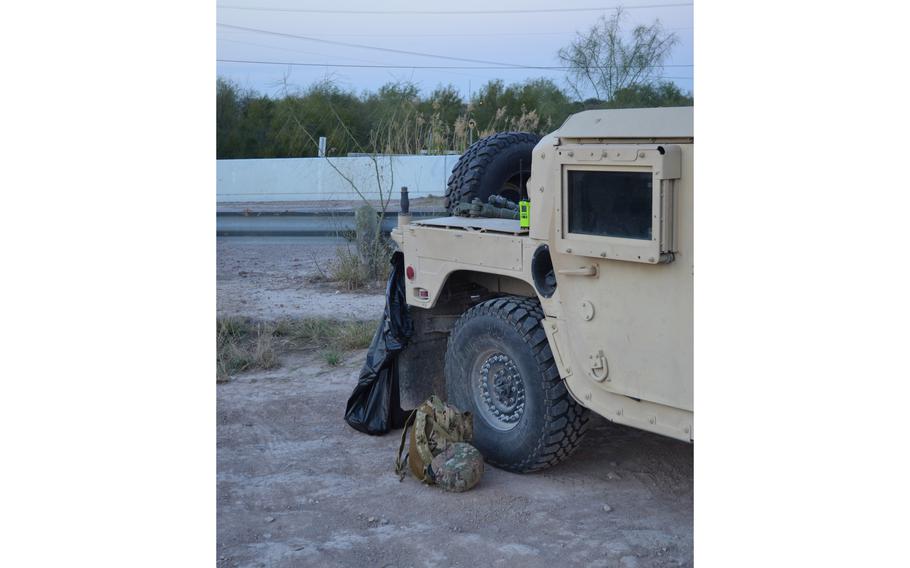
{"x":521,"y":188}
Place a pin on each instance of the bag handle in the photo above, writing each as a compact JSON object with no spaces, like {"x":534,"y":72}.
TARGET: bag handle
{"x":400,"y":463}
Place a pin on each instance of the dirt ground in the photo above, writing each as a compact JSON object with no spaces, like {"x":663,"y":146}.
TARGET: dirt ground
{"x":267,"y":278}
{"x":296,"y":486}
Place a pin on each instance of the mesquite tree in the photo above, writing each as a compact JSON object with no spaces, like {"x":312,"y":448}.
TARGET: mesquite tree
{"x":606,"y":60}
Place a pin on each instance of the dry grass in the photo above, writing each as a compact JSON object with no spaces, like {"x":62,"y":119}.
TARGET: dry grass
{"x":318,"y":332}
{"x":356,"y":269}
{"x":348,"y":269}
{"x":244,"y":345}
{"x":368,"y":260}
{"x":356,"y":334}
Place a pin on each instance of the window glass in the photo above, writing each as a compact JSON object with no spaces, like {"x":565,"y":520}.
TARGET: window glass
{"x":610,"y":204}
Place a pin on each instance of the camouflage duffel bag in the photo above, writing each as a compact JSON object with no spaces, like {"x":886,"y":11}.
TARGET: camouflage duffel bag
{"x":438,"y":450}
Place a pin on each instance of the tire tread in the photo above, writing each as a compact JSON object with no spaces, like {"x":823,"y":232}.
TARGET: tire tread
{"x":566,"y":421}
{"x":463,"y":184}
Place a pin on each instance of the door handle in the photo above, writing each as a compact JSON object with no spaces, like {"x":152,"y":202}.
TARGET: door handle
{"x":583,"y":271}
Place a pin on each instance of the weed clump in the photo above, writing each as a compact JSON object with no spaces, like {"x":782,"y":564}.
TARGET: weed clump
{"x":356,"y":334}
{"x":368,"y":261}
{"x":244,"y":345}
{"x":332,"y":357}
{"x":348,"y":269}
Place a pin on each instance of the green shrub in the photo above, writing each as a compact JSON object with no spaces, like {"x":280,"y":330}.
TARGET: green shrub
{"x":332,"y":357}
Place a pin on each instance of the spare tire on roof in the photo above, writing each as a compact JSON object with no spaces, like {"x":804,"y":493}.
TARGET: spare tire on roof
{"x":496,"y":165}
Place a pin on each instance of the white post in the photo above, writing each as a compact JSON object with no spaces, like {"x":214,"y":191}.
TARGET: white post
{"x":322,"y":146}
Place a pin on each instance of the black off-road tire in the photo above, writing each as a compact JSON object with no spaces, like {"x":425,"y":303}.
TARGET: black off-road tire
{"x":550,"y":424}
{"x":496,"y":165}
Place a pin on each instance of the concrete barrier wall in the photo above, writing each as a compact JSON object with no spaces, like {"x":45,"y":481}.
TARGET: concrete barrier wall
{"x":313,"y":179}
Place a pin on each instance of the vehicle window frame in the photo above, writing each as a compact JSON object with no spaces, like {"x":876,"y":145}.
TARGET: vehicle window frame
{"x":610,"y":247}
{"x":653,"y":216}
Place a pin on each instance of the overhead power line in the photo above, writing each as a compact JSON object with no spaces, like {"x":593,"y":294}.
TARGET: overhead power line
{"x":374,"y":48}
{"x":448,"y":12}
{"x":499,"y":64}
{"x":388,"y":66}
{"x":487,"y":34}
{"x":538,"y":67}
{"x":377,"y":64}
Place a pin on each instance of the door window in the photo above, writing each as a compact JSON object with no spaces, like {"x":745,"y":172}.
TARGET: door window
{"x":610,"y":203}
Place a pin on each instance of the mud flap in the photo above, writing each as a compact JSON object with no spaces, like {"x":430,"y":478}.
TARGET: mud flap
{"x":421,"y":367}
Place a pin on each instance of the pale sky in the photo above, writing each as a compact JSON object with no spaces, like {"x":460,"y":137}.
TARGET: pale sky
{"x":513,"y":38}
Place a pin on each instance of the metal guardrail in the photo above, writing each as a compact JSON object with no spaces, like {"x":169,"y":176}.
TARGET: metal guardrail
{"x":300,"y":224}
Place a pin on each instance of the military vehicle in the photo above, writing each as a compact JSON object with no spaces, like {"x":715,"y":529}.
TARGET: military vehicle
{"x":589,"y":309}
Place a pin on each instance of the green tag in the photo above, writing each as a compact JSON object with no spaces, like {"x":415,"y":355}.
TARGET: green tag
{"x":524,"y":214}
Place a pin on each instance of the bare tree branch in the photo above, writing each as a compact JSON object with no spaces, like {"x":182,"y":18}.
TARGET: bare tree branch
{"x":602,"y":61}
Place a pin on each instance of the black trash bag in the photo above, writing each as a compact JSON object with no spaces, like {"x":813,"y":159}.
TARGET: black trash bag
{"x":374,"y":407}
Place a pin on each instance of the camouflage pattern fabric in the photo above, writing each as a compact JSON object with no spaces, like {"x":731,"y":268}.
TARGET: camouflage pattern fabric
{"x":462,"y":210}
{"x":499,"y":201}
{"x":437,"y":427}
{"x":458,"y":468}
{"x":477,"y":208}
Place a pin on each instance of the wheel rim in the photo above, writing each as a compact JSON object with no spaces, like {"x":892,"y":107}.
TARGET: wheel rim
{"x":499,"y":390}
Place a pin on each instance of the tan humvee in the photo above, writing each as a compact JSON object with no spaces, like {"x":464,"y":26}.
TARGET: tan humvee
{"x":589,"y":308}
